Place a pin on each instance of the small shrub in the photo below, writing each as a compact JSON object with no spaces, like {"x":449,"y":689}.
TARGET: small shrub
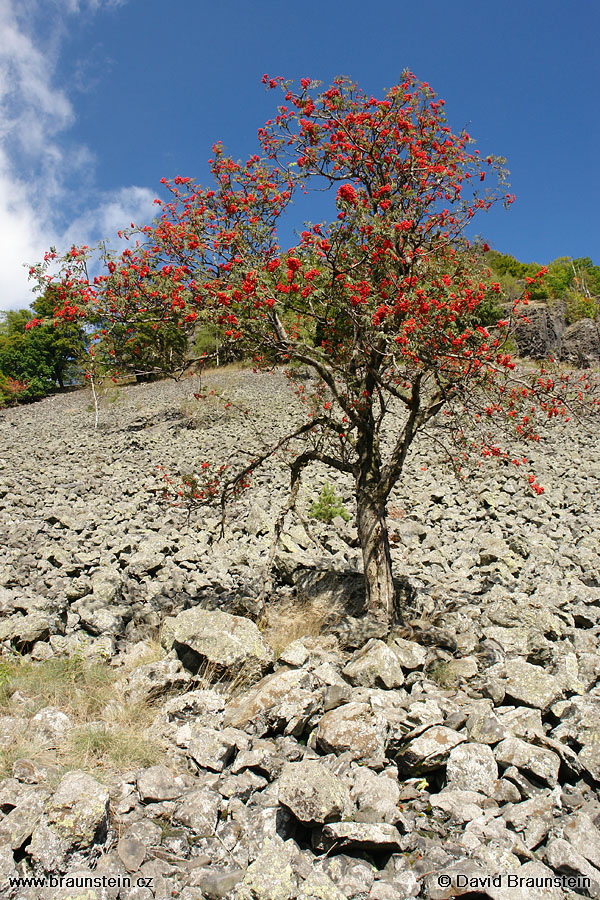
{"x":581,"y":307}
{"x":328,"y":506}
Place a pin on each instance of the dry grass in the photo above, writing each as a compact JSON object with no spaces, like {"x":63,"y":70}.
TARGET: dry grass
{"x":289,"y":620}
{"x":108,"y":734}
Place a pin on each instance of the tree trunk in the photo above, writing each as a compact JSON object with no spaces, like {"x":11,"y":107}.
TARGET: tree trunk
{"x":373,"y":537}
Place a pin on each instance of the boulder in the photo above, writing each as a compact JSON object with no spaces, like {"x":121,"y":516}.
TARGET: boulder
{"x":217,"y":638}
{"x":375,"y":665}
{"x":74,"y":818}
{"x":472,"y":767}
{"x":282,"y":702}
{"x":528,"y":684}
{"x":428,"y":751}
{"x":356,"y":729}
{"x":312,"y":793}
{"x":542,"y":764}
{"x":378,"y":837}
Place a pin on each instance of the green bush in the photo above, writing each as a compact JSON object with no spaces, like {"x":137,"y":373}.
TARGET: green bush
{"x":328,"y":506}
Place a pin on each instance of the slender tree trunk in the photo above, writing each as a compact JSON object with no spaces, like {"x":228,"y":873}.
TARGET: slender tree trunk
{"x":374,"y":543}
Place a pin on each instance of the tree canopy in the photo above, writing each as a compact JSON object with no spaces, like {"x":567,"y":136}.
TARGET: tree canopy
{"x":385,"y":301}
{"x":34,"y":361}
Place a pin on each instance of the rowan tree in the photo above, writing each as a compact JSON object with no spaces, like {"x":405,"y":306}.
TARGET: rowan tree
{"x":385,"y":302}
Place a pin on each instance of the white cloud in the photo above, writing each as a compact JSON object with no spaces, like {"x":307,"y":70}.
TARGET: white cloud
{"x":37,"y":155}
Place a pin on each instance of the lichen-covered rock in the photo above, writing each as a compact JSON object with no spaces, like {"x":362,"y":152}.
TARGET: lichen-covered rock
{"x":354,"y":729}
{"x":312,"y":793}
{"x":472,"y":767}
{"x":269,"y":877}
{"x":74,"y":818}
{"x":17,"y":826}
{"x":284,"y":701}
{"x":429,"y":750}
{"x":202,"y":635}
{"x":543,"y":764}
{"x":485,"y":728}
{"x":23,"y":631}
{"x":146,"y":683}
{"x":375,"y":665}
{"x":528,"y":684}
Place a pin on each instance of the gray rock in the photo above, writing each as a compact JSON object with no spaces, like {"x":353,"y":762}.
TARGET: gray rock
{"x":17,"y":826}
{"x":485,"y":728}
{"x":199,"y":811}
{"x":24,"y":631}
{"x":375,"y":665}
{"x":376,"y":796}
{"x":410,"y":655}
{"x":218,"y":638}
{"x":543,"y":764}
{"x":312,"y":793}
{"x":75,"y":817}
{"x":429,"y":751}
{"x":158,"y":783}
{"x":521,"y":723}
{"x":589,"y":757}
{"x":354,"y":729}
{"x":284,"y":701}
{"x":580,"y":344}
{"x":146,"y":683}
{"x":583,"y":834}
{"x":269,"y":877}
{"x":528,"y":684}
{"x":210,"y":748}
{"x":318,"y":886}
{"x":49,"y":727}
{"x":131,"y":853}
{"x":216,"y":883}
{"x":564,"y":859}
{"x":295,"y":654}
{"x":358,"y":836}
{"x":461,"y":805}
{"x":472,"y":767}
{"x":534,"y":818}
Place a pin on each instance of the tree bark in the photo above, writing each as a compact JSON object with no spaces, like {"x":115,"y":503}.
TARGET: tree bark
{"x":377,"y":562}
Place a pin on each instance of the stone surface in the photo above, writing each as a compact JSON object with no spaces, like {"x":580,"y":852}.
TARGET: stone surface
{"x":543,"y":764}
{"x":354,"y":729}
{"x":496,"y":647}
{"x":375,"y":665}
{"x":530,"y":685}
{"x":472,"y":767}
{"x":312,"y":793}
{"x":357,"y":835}
{"x":215,"y":637}
{"x":283,"y":701}
{"x":429,"y":750}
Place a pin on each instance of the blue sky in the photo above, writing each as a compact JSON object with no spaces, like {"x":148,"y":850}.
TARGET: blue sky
{"x":102,"y":98}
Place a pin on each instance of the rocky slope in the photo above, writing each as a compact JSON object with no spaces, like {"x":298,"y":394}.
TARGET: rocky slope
{"x":433,"y":761}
